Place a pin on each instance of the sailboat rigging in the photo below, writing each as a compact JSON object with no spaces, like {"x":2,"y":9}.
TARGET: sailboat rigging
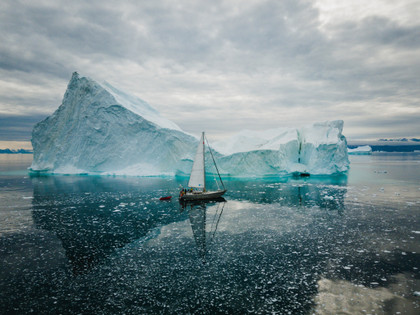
{"x":197,"y":182}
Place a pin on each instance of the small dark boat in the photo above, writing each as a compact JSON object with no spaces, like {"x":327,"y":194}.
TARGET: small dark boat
{"x":301,"y":174}
{"x":165,"y":198}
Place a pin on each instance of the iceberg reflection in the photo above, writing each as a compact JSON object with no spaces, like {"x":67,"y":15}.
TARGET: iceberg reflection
{"x":324,"y":192}
{"x":93,"y":216}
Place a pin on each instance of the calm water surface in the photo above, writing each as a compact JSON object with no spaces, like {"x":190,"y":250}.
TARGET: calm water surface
{"x":107,"y":245}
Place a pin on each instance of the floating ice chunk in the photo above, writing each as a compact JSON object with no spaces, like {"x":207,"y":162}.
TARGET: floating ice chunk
{"x":361,"y":150}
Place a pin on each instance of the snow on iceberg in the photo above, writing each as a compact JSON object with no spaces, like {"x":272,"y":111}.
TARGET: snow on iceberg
{"x":100,"y":130}
{"x":361,"y":150}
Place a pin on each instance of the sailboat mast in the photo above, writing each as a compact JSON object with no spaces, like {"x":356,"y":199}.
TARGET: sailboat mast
{"x":204,"y":163}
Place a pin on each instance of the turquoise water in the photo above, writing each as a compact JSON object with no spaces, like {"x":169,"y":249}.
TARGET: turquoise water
{"x":86,"y":244}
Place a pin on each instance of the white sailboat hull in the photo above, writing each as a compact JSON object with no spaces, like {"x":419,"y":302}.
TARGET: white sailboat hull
{"x":202,"y":195}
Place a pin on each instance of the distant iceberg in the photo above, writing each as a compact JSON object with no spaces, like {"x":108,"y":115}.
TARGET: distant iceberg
{"x":99,"y":129}
{"x":361,"y":150}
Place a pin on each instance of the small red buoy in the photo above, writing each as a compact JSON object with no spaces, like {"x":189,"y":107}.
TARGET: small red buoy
{"x":165,"y":198}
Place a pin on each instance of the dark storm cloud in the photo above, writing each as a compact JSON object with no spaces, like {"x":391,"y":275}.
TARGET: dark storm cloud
{"x":238,"y":57}
{"x":47,"y":39}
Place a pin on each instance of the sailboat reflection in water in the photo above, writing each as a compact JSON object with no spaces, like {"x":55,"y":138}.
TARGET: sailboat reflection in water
{"x":197,"y":183}
{"x":197,"y":211}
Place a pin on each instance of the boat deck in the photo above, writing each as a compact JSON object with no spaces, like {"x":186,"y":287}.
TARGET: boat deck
{"x":201,"y":195}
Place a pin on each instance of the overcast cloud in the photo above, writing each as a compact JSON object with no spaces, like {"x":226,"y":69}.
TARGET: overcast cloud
{"x":221,"y":66}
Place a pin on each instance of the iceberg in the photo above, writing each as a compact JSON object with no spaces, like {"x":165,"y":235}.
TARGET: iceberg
{"x":320,"y":149}
{"x":99,"y":129}
{"x":361,"y":150}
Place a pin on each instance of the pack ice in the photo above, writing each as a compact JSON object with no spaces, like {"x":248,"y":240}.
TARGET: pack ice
{"x":100,"y":130}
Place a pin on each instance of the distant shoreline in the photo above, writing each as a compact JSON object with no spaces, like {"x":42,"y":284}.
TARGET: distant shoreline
{"x":389,"y":148}
{"x":18,"y":151}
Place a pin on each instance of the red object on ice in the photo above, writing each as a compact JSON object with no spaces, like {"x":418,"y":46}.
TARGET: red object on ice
{"x":165,"y":198}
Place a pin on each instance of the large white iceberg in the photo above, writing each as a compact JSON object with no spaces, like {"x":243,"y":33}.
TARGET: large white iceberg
{"x":101,"y":130}
{"x":319,"y":149}
{"x":98,"y":129}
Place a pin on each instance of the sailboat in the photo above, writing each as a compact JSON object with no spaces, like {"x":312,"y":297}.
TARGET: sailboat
{"x":197,"y":183}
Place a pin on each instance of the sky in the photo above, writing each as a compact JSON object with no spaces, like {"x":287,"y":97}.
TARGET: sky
{"x":219,"y":66}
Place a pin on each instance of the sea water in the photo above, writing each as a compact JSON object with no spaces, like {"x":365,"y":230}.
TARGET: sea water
{"x":108,"y":245}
